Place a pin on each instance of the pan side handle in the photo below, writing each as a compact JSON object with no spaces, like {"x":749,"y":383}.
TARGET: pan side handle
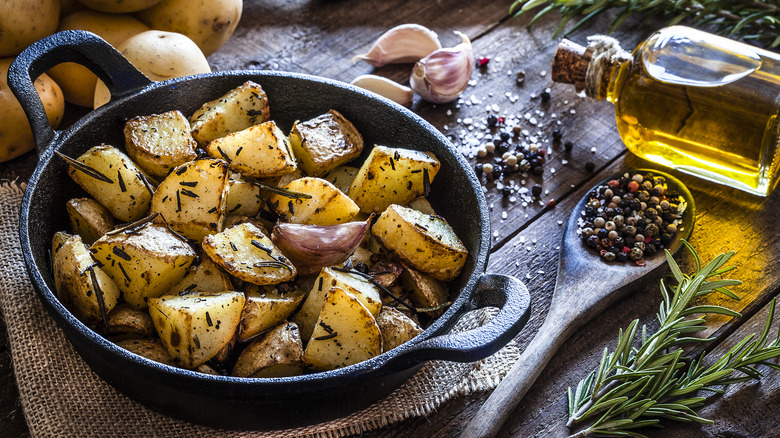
{"x":503,"y":291}
{"x":78,"y":46}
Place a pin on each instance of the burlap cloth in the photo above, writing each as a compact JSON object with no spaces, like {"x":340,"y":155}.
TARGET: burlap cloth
{"x":62,"y":397}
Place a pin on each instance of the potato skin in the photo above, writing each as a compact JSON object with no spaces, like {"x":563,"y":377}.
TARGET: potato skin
{"x":209,"y":23}
{"x":16,"y":136}
{"x":116,"y":6}
{"x":25,"y":21}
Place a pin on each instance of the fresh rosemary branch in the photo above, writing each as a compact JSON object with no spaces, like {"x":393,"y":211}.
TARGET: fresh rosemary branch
{"x":636,"y":387}
{"x":750,"y":20}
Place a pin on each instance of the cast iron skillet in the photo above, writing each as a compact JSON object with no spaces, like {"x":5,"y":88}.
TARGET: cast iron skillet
{"x":239,"y":403}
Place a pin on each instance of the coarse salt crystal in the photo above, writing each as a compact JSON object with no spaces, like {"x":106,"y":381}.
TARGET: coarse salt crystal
{"x":503,"y":215}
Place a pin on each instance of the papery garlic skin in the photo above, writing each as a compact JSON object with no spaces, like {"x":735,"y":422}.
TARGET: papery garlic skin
{"x":404,"y":43}
{"x":444,"y":74}
{"x":384,"y":87}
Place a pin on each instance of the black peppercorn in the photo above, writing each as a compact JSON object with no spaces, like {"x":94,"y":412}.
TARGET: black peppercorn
{"x":361,"y":267}
{"x":556,"y":134}
{"x":593,"y":241}
{"x":603,"y":233}
{"x":506,"y":191}
{"x":537,"y":170}
{"x":536,"y":190}
{"x":505,"y":136}
{"x":497,"y":171}
{"x":478,"y":169}
{"x":492,"y":121}
{"x":589,"y":166}
{"x":621,"y":256}
{"x":545,"y":95}
{"x":568,"y":146}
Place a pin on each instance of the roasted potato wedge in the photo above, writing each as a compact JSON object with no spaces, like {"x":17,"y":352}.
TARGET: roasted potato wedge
{"x":396,"y":328}
{"x":327,"y":205}
{"x":248,"y":254}
{"x":112,"y":178}
{"x":149,"y":348}
{"x":124,"y":319}
{"x":81,"y":284}
{"x":207,"y":276}
{"x":392,"y":176}
{"x":426,"y":292}
{"x":342,"y":177}
{"x":237,"y":110}
{"x":427,"y":243}
{"x":243,"y":198}
{"x":325,"y":142}
{"x":58,"y":240}
{"x":358,"y":287}
{"x":346,"y":333}
{"x":89,"y":219}
{"x":145,"y":261}
{"x":194,"y":327}
{"x":265,"y":309}
{"x":192,"y":199}
{"x":159,"y":142}
{"x":421,"y":204}
{"x":278,"y":353}
{"x":259,"y":151}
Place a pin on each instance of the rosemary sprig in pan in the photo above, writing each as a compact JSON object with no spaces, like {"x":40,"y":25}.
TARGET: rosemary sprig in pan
{"x":636,"y":387}
{"x":278,"y":190}
{"x":750,"y":20}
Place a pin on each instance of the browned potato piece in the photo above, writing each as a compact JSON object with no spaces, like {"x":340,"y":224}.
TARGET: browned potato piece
{"x":358,"y":287}
{"x":392,"y":176}
{"x":346,"y":333}
{"x":194,"y":327}
{"x":327,"y":205}
{"x":243,"y":198}
{"x":277,"y":354}
{"x":237,"y":110}
{"x":58,"y":240}
{"x":421,"y":204}
{"x":205,"y":277}
{"x":260,"y":151}
{"x":425,"y":242}
{"x":248,"y":254}
{"x":396,"y":328}
{"x":193,"y":197}
{"x":125,"y":319}
{"x":426,"y":291}
{"x":149,"y":348}
{"x":159,"y":142}
{"x":89,"y":219}
{"x":145,"y":261}
{"x":325,"y":142}
{"x":266,"y":309}
{"x":342,"y":177}
{"x":119,"y":185}
{"x":77,"y":288}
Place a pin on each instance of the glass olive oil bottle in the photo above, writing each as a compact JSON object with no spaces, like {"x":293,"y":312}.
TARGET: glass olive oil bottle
{"x":690,"y":100}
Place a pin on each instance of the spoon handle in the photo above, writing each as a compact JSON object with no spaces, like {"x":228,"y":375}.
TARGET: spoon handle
{"x":494,"y":412}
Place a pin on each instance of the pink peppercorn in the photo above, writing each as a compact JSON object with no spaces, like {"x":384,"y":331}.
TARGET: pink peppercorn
{"x":633,"y":186}
{"x":483,"y":61}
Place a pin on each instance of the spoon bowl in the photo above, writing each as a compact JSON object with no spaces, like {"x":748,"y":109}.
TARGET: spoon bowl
{"x":585,"y":286}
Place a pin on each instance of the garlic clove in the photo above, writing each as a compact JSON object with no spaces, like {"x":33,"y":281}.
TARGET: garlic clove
{"x":404,"y":43}
{"x":313,"y":247}
{"x":384,"y":87}
{"x":444,"y":74}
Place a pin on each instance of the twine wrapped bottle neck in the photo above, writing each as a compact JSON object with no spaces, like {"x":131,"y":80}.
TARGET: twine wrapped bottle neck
{"x":590,"y":68}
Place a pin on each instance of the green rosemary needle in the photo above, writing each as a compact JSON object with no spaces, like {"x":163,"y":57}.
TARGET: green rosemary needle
{"x":637,"y":386}
{"x":750,"y":20}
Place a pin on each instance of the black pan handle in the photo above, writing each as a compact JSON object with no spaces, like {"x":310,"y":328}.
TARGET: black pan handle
{"x":497,"y":290}
{"x":82,"y":47}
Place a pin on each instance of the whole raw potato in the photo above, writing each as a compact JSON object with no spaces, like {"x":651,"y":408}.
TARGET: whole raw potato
{"x":159,"y":55}
{"x":76,"y":81}
{"x":207,"y":22}
{"x":15,"y":134}
{"x":118,"y":5}
{"x":23,"y":22}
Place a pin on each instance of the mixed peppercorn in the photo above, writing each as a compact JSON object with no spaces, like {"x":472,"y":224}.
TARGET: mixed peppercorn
{"x":631,"y":217}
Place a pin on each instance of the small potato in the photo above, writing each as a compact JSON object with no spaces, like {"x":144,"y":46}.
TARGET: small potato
{"x":118,"y":184}
{"x":126,"y":320}
{"x":425,"y":242}
{"x":327,"y":205}
{"x":236,"y":110}
{"x":193,"y":197}
{"x":76,"y":81}
{"x":77,"y":288}
{"x":342,"y":177}
{"x":209,"y":23}
{"x":16,"y":135}
{"x":392,"y":176}
{"x":266,"y":309}
{"x":159,"y":142}
{"x":396,"y":328}
{"x":149,"y":348}
{"x":25,"y":21}
{"x":145,"y":261}
{"x":325,"y":142}
{"x":58,"y":240}
{"x":243,"y":198}
{"x":158,"y":55}
{"x":205,"y":277}
{"x":194,"y":327}
{"x":425,"y":291}
{"x":116,"y":6}
{"x":278,"y":353}
{"x":260,"y":151}
{"x":89,"y":219}
{"x":346,"y":333}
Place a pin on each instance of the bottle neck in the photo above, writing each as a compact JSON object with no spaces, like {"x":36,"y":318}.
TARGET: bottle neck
{"x":591,"y":69}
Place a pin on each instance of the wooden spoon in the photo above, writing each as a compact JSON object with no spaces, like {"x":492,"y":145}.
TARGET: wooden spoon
{"x":586,"y":285}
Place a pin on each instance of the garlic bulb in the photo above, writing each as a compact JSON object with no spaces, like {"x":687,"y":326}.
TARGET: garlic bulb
{"x":404,"y":43}
{"x":386,"y":88}
{"x":441,"y":76}
{"x":312,"y":247}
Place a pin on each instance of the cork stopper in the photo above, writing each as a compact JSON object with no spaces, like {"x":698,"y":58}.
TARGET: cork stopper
{"x":570,"y":64}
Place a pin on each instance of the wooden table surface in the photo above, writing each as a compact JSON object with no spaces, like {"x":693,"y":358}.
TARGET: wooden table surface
{"x":320,"y":37}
